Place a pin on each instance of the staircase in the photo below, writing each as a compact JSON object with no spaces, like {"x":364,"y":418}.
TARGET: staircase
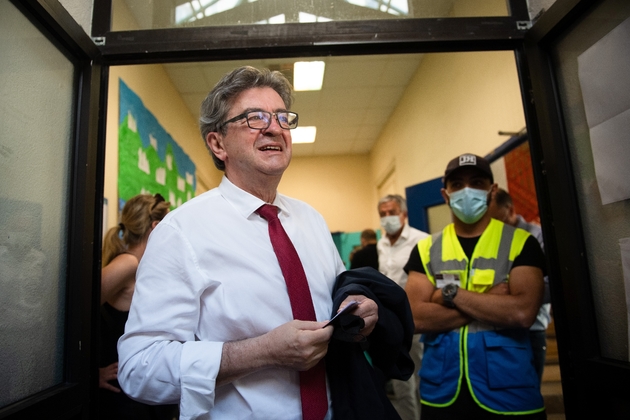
{"x":551,"y":387}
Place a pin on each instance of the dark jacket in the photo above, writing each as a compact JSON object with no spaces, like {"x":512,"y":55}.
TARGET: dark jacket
{"x":357,"y":387}
{"x":365,"y":257}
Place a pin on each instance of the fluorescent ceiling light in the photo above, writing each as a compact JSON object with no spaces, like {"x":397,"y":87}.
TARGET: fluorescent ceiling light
{"x":308,"y":75}
{"x":303,"y":135}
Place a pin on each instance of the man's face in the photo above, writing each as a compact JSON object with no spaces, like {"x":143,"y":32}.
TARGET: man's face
{"x":468,"y":207}
{"x":391,"y":208}
{"x":501,"y":213}
{"x":504,"y":213}
{"x":249,"y":153}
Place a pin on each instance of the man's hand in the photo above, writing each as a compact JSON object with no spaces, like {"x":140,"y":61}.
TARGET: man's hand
{"x":295,"y":345}
{"x":367,"y":309}
{"x":429,"y":312}
{"x":106,"y":374}
{"x":299,"y":345}
{"x":508,"y":305}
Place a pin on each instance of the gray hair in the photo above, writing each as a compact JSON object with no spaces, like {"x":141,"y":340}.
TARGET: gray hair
{"x":402,"y":203}
{"x":215,"y":108}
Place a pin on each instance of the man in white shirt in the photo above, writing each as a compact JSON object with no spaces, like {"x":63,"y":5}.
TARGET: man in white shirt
{"x":211,"y":323}
{"x":393,"y":252}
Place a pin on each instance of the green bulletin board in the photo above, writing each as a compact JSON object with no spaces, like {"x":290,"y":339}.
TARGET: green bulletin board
{"x":149,"y":159}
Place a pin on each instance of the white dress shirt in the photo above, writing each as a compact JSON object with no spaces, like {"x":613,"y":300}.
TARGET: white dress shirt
{"x":392,"y":258}
{"x":209,"y":275}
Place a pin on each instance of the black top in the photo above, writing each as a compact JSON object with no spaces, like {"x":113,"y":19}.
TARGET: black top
{"x":531,"y":255}
{"x":117,"y":405}
{"x":112,"y":327}
{"x":365,"y":257}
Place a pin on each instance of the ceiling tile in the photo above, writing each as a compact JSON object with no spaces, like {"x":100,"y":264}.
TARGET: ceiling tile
{"x":386,"y":97}
{"x":304,"y":149}
{"x":306,"y":102}
{"x":400,"y":71}
{"x":352,"y":74}
{"x":368,"y":134}
{"x":376,"y":116}
{"x":345,"y":98}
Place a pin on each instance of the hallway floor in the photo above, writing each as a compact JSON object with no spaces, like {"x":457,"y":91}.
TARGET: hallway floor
{"x":551,"y":387}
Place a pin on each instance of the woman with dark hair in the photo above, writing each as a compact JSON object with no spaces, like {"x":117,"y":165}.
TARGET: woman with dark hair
{"x":123,"y":248}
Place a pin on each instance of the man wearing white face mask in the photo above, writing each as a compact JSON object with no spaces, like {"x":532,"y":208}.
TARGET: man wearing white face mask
{"x":393,"y":252}
{"x":394,"y":247}
{"x":475,"y":289}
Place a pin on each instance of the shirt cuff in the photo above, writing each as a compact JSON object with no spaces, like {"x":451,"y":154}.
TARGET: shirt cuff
{"x":199,"y":367}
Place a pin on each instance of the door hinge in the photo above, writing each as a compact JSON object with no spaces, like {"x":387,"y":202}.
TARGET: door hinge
{"x":99,"y":40}
{"x":523,"y":25}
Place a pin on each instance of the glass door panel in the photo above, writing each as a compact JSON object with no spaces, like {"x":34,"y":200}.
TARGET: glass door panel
{"x":604,"y":223}
{"x":37,"y":87}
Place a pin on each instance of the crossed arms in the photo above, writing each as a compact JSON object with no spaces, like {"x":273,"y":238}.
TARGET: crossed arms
{"x":508,"y":305}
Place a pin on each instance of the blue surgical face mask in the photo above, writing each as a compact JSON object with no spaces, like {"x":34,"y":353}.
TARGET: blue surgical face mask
{"x":469,"y":204}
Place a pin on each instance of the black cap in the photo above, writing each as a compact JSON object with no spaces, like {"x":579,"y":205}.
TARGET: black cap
{"x":468,"y":159}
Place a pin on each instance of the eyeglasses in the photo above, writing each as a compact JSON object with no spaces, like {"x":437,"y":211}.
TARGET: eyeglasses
{"x":261,"y":120}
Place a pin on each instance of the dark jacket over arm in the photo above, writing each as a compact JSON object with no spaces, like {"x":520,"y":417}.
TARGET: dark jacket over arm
{"x":357,"y":388}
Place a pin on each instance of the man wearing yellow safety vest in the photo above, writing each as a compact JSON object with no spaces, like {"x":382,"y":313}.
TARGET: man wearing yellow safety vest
{"x":475,"y":289}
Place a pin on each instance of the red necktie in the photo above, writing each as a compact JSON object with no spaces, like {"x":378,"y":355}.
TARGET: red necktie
{"x":312,"y":381}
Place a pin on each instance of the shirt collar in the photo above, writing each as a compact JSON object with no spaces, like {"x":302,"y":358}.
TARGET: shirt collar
{"x":245,"y":203}
{"x":405,"y":231}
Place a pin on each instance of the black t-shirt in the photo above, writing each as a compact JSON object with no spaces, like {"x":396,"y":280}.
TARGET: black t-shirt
{"x":531,"y":255}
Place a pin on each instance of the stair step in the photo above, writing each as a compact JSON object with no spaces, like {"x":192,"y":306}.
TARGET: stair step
{"x":551,"y":373}
{"x":551,"y":390}
{"x":551,"y":387}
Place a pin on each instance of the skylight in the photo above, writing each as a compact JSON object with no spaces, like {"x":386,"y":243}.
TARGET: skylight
{"x":193,"y":10}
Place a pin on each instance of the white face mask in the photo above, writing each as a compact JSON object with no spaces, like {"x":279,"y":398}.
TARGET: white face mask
{"x":391,"y":224}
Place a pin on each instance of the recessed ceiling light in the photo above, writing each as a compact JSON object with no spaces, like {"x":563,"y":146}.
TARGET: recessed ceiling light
{"x":308,"y":75}
{"x":303,"y":135}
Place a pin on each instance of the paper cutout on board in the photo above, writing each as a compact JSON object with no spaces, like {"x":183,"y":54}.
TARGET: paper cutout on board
{"x":605,"y":83}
